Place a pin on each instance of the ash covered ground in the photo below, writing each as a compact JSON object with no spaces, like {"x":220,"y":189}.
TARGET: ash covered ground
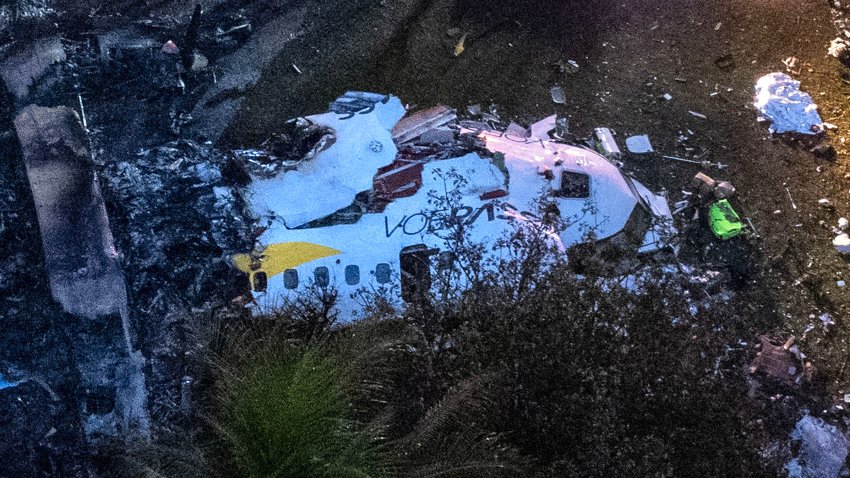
{"x":162,"y":125}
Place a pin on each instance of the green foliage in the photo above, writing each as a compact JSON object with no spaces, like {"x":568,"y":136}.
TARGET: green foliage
{"x":284,"y":414}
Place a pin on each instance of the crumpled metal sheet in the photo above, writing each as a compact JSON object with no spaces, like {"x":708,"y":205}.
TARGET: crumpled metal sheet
{"x":780,"y":100}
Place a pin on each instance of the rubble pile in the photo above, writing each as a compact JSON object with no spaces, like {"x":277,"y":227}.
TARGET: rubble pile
{"x":181,"y":221}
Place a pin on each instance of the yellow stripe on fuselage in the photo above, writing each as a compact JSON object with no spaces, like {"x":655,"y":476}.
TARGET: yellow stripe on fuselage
{"x":281,"y":256}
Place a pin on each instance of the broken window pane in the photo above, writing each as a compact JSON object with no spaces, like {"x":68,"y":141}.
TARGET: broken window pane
{"x":352,"y":275}
{"x":415,"y":271}
{"x":322,"y":276}
{"x":382,"y":273}
{"x":574,"y":185}
{"x":260,"y":281}
{"x":290,"y":278}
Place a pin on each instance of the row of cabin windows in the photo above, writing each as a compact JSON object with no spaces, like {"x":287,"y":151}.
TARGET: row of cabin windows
{"x":415,"y":272}
{"x":321,"y":275}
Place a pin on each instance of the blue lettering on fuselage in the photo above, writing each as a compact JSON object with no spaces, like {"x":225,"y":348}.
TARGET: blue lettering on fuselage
{"x":432,"y":221}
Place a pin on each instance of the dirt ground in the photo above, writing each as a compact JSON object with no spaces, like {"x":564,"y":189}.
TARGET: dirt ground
{"x":629,"y":55}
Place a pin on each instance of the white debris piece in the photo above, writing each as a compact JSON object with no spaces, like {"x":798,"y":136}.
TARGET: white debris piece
{"x":840,"y":48}
{"x":558,"y":95}
{"x":843,"y":223}
{"x":824,"y":202}
{"x":667,"y":96}
{"x":842,"y":243}
{"x":329,"y":181}
{"x":638,"y":144}
{"x":779,"y":99}
{"x":823,"y":449}
{"x":697,"y":114}
{"x":542,"y":128}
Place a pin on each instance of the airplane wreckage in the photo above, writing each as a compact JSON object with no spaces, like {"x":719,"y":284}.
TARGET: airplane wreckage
{"x":357,"y":205}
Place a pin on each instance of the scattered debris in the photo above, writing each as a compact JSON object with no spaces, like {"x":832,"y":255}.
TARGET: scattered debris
{"x":460,"y":47}
{"x":824,"y":202}
{"x":697,"y":114}
{"x":779,"y":99}
{"x":558,"y":95}
{"x":295,"y":67}
{"x":606,"y":144}
{"x":840,"y":48}
{"x":415,"y":125}
{"x":822,"y":452}
{"x":569,"y":66}
{"x":667,"y":96}
{"x":703,"y":163}
{"x":170,"y":48}
{"x":638,"y":144}
{"x":788,"y":191}
{"x":781,"y":363}
{"x":790,"y":65}
{"x":841,"y":243}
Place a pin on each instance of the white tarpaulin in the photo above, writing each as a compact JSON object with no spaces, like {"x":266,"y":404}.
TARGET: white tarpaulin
{"x":779,"y":99}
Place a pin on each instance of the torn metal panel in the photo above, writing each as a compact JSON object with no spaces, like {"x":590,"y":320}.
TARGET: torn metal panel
{"x":412,"y":126}
{"x":400,"y":179}
{"x":83,"y":265}
{"x":21,"y":71}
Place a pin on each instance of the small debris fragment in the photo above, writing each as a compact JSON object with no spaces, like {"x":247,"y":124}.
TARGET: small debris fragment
{"x":558,"y":95}
{"x":460,"y":46}
{"x":295,"y":67}
{"x":843,"y":223}
{"x":667,"y":96}
{"x":790,"y":64}
{"x":170,"y":48}
{"x":790,"y":198}
{"x":840,"y":48}
{"x":697,"y":114}
{"x":607,"y":145}
{"x":724,"y":190}
{"x":824,"y":202}
{"x":841,"y":243}
{"x":638,"y":144}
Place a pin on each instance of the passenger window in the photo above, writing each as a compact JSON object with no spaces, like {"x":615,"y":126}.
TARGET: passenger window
{"x":574,"y":185}
{"x":290,"y":278}
{"x":260,"y":281}
{"x":382,"y":273}
{"x":352,"y":275}
{"x":322,"y":276}
{"x":415,"y":267}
